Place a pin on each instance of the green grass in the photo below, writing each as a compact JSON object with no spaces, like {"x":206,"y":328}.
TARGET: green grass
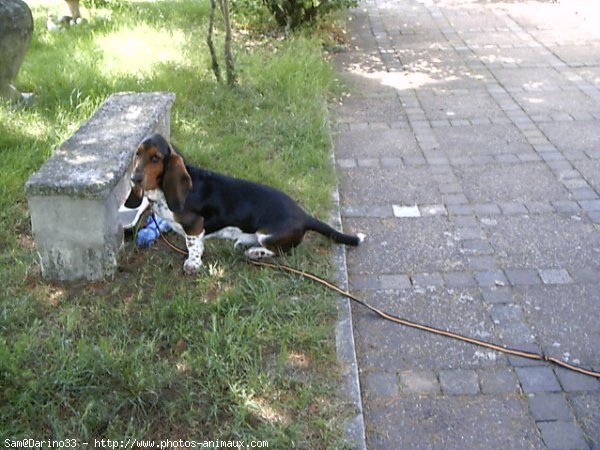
{"x":233,"y":353}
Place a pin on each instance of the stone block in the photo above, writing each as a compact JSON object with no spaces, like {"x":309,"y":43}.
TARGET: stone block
{"x":459,"y":279}
{"x":555,"y":276}
{"x":537,"y":379}
{"x":491,"y":278}
{"x":566,"y":207}
{"x":433,"y":210}
{"x":497,"y":295}
{"x":519,"y":361}
{"x":427,"y":280}
{"x":459,"y":382}
{"x":380,"y":384}
{"x":395,"y":281}
{"x":549,"y":406}
{"x":590,"y":205}
{"x":459,"y":210}
{"x":562,"y":435}
{"x":75,"y":196}
{"x":406,"y":211}
{"x":419,"y":382}
{"x":470,"y":233}
{"x":477,"y":247}
{"x":586,"y":275}
{"x":498,"y":381}
{"x":483,"y":263}
{"x":518,"y":277}
{"x":574,"y":381}
{"x":513,"y":208}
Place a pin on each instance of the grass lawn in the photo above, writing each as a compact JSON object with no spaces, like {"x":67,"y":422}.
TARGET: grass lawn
{"x":234,"y":353}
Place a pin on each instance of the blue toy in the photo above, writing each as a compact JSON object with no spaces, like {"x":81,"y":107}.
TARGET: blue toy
{"x":147,"y":235}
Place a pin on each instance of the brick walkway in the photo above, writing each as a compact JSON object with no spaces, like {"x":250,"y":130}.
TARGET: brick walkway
{"x":469,"y":152}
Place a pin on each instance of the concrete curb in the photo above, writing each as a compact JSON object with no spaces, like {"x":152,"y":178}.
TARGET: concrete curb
{"x":344,"y":337}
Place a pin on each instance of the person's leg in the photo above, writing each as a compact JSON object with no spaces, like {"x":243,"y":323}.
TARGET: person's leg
{"x":74,"y":8}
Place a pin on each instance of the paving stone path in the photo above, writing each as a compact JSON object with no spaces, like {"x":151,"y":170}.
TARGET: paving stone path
{"x":468,"y":149}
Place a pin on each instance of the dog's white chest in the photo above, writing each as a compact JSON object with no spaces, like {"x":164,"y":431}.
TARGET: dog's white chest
{"x":160,"y":208}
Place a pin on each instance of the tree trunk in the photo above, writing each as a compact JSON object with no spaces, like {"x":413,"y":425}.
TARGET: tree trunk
{"x":209,"y":40}
{"x":229,"y":63}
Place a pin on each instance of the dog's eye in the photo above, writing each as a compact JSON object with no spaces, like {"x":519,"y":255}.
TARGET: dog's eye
{"x":154,"y":159}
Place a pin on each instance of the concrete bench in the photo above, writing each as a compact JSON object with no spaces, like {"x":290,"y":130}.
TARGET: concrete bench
{"x":75,"y":197}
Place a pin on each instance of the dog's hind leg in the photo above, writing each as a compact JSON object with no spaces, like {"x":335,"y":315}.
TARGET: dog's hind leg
{"x":235,"y":234}
{"x":258,"y":253}
{"x":274,"y":243}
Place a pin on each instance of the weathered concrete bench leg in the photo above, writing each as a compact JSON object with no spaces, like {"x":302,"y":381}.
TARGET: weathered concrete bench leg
{"x":75,"y":196}
{"x":77,"y":238}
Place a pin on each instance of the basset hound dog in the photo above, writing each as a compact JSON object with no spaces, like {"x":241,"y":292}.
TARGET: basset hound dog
{"x":199,"y":204}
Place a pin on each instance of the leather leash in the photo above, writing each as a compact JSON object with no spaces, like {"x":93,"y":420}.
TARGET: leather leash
{"x":410,"y":323}
{"x":429,"y":329}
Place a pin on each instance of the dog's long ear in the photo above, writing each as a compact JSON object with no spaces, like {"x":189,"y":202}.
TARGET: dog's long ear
{"x":135,"y":198}
{"x":177,"y":182}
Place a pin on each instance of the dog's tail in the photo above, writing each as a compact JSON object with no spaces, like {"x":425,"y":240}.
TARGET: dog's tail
{"x":341,"y":238}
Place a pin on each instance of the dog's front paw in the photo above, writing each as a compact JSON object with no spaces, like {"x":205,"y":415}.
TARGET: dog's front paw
{"x":192,"y":266}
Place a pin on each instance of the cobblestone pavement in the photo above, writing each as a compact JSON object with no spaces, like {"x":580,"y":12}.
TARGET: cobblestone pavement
{"x":468,"y":149}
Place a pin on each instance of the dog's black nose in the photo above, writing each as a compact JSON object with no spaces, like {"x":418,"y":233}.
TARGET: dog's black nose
{"x":136,"y":178}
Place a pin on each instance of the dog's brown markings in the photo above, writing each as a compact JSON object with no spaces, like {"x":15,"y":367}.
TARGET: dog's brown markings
{"x":177,"y":182}
{"x":192,"y":223}
{"x":283,"y":241}
{"x":149,"y":163}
